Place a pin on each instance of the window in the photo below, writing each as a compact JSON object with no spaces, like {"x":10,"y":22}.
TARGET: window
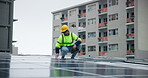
{"x":92,"y":7}
{"x":113,"y":47}
{"x":128,"y":47}
{"x":132,"y":14}
{"x":91,"y":48}
{"x":104,"y":48}
{"x":83,"y":36}
{"x":91,"y":34}
{"x":56,"y":28}
{"x":127,"y":15}
{"x":80,"y":12}
{"x":132,"y":30}
{"x":82,"y":24}
{"x":100,"y":7}
{"x":72,"y":25}
{"x":83,"y":48}
{"x":84,"y":11}
{"x":130,"y":0}
{"x":100,"y":34}
{"x":56,"y":16}
{"x":91,"y":21}
{"x":113,"y":17}
{"x":105,"y":34}
{"x":99,"y":48}
{"x":105,"y":19}
{"x":72,"y":12}
{"x":104,"y":5}
{"x":64,"y":15}
{"x":113,"y":32}
{"x":113,"y":2}
{"x":100,"y":20}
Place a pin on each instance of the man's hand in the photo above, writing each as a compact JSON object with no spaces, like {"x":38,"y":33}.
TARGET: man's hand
{"x":57,"y":55}
{"x":74,"y":47}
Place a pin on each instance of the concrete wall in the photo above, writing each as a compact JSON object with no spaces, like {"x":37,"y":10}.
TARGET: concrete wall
{"x":142,"y":29}
{"x":92,"y":28}
{"x":119,"y":39}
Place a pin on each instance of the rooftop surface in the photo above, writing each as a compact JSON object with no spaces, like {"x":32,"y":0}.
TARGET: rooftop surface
{"x":49,"y":67}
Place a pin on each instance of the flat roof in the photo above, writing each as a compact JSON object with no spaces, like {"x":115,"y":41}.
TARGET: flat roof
{"x":75,"y":6}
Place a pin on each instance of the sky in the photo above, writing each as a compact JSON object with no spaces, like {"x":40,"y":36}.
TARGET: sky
{"x":33,"y":30}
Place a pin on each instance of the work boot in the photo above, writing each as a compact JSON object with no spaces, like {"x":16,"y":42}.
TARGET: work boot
{"x":72,"y":58}
{"x":62,"y":58}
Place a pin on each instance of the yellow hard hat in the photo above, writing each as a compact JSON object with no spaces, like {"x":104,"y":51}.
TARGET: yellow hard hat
{"x":64,"y":28}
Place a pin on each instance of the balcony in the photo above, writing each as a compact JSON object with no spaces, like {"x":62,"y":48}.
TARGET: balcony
{"x":130,"y":52}
{"x":81,"y":53}
{"x":102,"y":10}
{"x":102,"y":53}
{"x":83,"y":40}
{"x":82,"y":15}
{"x":102,"y":24}
{"x":101,"y":39}
{"x":129,"y":20}
{"x":130,"y":36}
{"x":64,"y":19}
{"x":129,"y":3}
{"x":83,"y":26}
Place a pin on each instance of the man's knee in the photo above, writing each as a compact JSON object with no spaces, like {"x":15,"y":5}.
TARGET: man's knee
{"x":64,"y":49}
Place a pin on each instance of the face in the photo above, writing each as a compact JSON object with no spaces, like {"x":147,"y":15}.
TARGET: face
{"x":66,"y":33}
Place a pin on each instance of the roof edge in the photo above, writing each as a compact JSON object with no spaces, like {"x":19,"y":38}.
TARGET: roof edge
{"x":75,"y":6}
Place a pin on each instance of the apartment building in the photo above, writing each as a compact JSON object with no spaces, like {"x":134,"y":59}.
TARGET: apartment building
{"x":106,"y":27}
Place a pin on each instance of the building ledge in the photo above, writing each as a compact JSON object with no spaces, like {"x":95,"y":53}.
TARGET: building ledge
{"x":130,"y":7}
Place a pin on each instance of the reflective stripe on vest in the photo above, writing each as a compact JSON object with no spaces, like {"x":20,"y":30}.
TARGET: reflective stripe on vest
{"x":63,"y":39}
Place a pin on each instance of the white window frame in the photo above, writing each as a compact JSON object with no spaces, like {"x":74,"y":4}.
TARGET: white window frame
{"x":113,"y":17}
{"x":92,"y":7}
{"x":91,"y":48}
{"x":91,"y":34}
{"x":112,"y":31}
{"x":113,"y":47}
{"x":56,"y":16}
{"x":92,"y":21}
{"x":111,"y":2}
{"x":72,"y":12}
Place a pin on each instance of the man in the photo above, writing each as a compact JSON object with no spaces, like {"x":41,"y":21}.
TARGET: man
{"x":66,"y":43}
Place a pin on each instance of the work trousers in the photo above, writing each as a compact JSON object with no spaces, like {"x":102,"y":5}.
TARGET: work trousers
{"x":69,"y":49}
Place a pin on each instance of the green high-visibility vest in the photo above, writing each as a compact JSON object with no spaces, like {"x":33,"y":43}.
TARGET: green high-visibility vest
{"x":67,"y":40}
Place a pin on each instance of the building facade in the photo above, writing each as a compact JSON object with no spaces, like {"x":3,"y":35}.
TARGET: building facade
{"x":6,"y":25}
{"x":106,"y":27}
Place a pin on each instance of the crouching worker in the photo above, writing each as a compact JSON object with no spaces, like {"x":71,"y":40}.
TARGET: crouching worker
{"x":66,"y":43}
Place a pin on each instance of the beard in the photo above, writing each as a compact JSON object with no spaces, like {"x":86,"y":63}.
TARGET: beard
{"x":66,"y":34}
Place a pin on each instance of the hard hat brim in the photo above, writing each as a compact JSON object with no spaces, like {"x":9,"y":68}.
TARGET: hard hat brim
{"x":63,"y":30}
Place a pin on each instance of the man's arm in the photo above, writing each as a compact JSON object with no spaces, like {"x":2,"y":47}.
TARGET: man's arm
{"x":78,"y":41}
{"x":58,"y":45}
